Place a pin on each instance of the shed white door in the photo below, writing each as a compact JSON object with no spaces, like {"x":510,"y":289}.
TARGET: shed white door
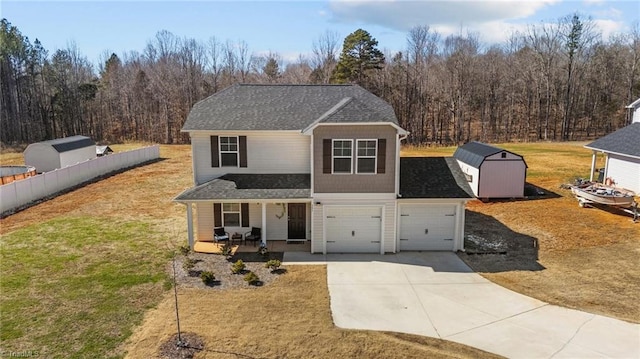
{"x":426,"y":227}
{"x":353,"y":229}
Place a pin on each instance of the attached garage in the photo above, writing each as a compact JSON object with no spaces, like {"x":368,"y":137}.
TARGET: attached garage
{"x":433,"y":195}
{"x":492,"y":172}
{"x":427,"y":227}
{"x":353,"y":229}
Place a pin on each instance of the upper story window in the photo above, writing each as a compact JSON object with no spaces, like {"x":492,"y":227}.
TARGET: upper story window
{"x":229,"y":151}
{"x":366,"y":156}
{"x":342,"y":155}
{"x":360,"y":156}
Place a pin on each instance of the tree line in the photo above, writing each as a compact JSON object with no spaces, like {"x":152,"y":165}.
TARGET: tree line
{"x":554,"y":81}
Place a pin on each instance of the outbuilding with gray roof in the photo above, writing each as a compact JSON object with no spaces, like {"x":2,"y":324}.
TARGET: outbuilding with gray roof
{"x":492,"y":172}
{"x":46,"y":156}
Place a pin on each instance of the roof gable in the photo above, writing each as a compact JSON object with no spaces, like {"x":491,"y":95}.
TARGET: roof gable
{"x":625,"y":141}
{"x":286,"y":107}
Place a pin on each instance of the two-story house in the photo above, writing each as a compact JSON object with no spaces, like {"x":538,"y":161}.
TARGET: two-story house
{"x":319,"y":163}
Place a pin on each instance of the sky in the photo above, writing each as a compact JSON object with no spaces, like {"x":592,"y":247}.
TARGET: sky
{"x":289,"y":28}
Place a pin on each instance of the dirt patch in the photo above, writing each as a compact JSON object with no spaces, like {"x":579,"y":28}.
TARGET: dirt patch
{"x":221,"y":268}
{"x":557,"y":252}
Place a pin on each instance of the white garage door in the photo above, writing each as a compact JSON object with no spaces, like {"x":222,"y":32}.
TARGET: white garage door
{"x":427,"y":227}
{"x":353,"y":229}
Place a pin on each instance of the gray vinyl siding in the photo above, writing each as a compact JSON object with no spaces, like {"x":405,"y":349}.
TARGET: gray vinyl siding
{"x":317,"y":234}
{"x":267,"y":152}
{"x":354,"y":183}
{"x":389,"y":230}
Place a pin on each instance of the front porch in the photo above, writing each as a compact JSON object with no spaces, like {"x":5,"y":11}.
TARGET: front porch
{"x":278,"y":206}
{"x":272,"y":246}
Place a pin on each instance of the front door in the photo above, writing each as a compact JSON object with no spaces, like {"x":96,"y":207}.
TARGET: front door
{"x":297,"y":221}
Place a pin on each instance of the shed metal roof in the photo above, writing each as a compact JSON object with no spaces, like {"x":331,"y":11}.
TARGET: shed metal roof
{"x":474,"y":153}
{"x":625,"y":141}
{"x":286,"y":107}
{"x":70,"y":143}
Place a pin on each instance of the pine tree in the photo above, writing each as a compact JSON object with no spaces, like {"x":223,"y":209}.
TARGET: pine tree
{"x":358,"y":59}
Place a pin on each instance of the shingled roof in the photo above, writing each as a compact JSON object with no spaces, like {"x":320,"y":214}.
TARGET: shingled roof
{"x":251,"y":186}
{"x":474,"y":153}
{"x":625,"y":141}
{"x":432,"y":177}
{"x":286,"y":107}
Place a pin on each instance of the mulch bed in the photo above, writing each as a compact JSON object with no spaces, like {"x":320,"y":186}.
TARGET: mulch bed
{"x":191,"y":343}
{"x":221,"y":268}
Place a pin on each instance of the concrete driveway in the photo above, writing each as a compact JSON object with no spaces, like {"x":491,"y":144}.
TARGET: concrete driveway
{"x":437,"y":295}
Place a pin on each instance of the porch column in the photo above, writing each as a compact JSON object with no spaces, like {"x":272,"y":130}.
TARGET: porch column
{"x":264,"y":223}
{"x":593,"y":165}
{"x":190,"y":224}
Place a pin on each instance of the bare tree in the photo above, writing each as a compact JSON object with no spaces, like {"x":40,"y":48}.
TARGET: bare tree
{"x":324,"y":56}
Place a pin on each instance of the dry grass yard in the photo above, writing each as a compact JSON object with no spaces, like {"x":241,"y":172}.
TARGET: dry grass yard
{"x":586,"y":258}
{"x":84,"y":274}
{"x":79,"y":272}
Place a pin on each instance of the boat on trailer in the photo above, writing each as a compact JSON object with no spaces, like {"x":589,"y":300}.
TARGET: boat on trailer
{"x":603,"y":194}
{"x":591,"y":192}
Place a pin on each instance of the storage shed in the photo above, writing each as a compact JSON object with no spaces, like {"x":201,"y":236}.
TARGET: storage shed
{"x":492,"y":172}
{"x":46,"y":156}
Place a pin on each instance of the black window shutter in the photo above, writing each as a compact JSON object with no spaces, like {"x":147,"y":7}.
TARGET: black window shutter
{"x":215,"y":158}
{"x":244,"y":210}
{"x":243,"y":150}
{"x":326,"y":155}
{"x":217,"y":215}
{"x":382,"y":154}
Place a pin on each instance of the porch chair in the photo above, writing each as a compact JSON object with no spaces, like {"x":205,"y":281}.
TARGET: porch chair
{"x":253,"y":236}
{"x":219,"y":235}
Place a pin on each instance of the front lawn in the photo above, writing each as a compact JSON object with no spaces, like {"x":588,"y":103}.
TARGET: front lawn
{"x":77,"y":285}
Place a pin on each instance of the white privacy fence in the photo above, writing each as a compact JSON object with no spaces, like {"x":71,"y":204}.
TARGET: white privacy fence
{"x":22,"y":192}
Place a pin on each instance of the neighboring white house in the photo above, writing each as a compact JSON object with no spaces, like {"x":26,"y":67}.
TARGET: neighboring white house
{"x":492,"y":172}
{"x":634,"y":111}
{"x":46,"y":156}
{"x":318,"y":163}
{"x":622,"y":156}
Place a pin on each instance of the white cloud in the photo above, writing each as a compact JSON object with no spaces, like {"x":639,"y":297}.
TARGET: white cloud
{"x":594,"y":2}
{"x":609,"y":27}
{"x":493,"y":20}
{"x":403,"y":15}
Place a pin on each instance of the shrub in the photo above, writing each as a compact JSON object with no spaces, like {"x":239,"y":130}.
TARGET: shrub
{"x":184,"y":249}
{"x":238,"y":267}
{"x":272,"y":264}
{"x":188,"y":264}
{"x":226,"y":250}
{"x":252,"y":278}
{"x":207,"y":277}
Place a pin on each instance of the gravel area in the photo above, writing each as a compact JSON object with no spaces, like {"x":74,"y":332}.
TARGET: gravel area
{"x":221,"y":268}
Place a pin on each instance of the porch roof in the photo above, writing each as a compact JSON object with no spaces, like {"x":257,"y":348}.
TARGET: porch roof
{"x":250,"y":186}
{"x":432,"y":177}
